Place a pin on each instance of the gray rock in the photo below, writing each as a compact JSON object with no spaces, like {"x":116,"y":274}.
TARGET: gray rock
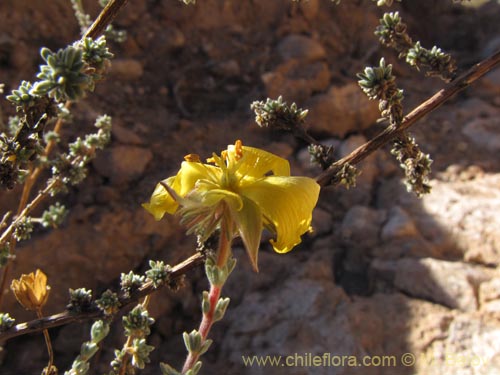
{"x":124,"y":135}
{"x":267,"y":324}
{"x":399,"y":225}
{"x":309,"y":9}
{"x":368,"y":167}
{"x":229,"y":68}
{"x":458,"y":219}
{"x":122,"y":164}
{"x":302,"y":48}
{"x":462,"y":217}
{"x":451,"y":284}
{"x":341,"y":110}
{"x":384,"y":323}
{"x":168,"y":39}
{"x":397,"y":248}
{"x":321,"y":222}
{"x":491,"y":47}
{"x":350,"y":144}
{"x":488,"y":86}
{"x":474,"y":108}
{"x":484,"y":132}
{"x":489,"y":296}
{"x":126,"y":69}
{"x":296,"y":81}
{"x":468,"y":345}
{"x":361,"y":226}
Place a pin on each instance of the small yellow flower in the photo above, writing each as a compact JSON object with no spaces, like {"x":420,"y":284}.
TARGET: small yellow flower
{"x":251,"y":185}
{"x":31,"y":290}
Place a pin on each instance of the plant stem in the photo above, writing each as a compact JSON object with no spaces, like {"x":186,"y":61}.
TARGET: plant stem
{"x":215,"y":290}
{"x":328,"y":177}
{"x":47,"y":343}
{"x":205,"y":325}
{"x":33,"y":175}
{"x":106,"y":16}
{"x":126,"y":357}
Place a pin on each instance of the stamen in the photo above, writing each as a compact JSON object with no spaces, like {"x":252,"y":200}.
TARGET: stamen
{"x":194,"y":158}
{"x":238,"y":150}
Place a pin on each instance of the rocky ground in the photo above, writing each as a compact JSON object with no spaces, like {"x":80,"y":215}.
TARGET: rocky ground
{"x":384,"y":273}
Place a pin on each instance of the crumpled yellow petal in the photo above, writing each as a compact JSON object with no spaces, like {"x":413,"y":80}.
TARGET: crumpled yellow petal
{"x":286,"y":204}
{"x":162,"y":202}
{"x":257,"y":163}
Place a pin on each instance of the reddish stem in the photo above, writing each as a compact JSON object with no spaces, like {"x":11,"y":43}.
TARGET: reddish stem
{"x":207,"y":321}
{"x":215,"y":290}
{"x":205,"y":325}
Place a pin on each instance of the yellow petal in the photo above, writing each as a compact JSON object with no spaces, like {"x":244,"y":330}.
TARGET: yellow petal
{"x":214,"y":196}
{"x":162,"y":202}
{"x":249,"y":223}
{"x":286,"y":204}
{"x":257,"y":163}
{"x":190,"y":173}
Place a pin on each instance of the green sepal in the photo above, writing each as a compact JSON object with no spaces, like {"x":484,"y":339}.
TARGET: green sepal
{"x":220,"y":308}
{"x":166,"y":369}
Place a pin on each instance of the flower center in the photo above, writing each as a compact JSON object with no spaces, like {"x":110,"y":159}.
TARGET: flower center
{"x":229,"y":162}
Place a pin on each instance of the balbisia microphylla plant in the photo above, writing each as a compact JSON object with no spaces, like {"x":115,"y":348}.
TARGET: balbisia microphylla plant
{"x":236,"y":193}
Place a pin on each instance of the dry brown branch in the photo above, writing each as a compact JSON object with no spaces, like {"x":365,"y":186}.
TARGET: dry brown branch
{"x":106,"y":16}
{"x":328,"y":177}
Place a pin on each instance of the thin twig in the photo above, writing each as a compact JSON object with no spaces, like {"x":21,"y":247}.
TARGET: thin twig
{"x":328,"y":177}
{"x":130,"y":339}
{"x":4,"y":219}
{"x":126,"y":357}
{"x":68,"y":317}
{"x":31,"y":179}
{"x":106,"y":16}
{"x":29,"y":207}
{"x":48,"y":343}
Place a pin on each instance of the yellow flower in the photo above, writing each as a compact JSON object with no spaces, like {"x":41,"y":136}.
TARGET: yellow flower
{"x":252,"y":186}
{"x":31,"y":290}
